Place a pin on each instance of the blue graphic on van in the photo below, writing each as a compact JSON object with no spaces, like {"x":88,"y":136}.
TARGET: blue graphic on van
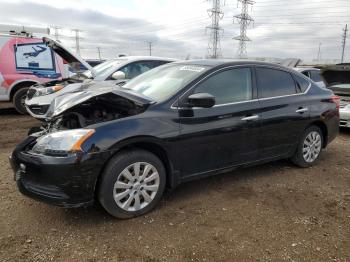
{"x":36,"y":52}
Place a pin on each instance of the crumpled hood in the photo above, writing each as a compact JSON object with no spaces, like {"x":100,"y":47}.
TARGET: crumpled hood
{"x":66,"y":54}
{"x":86,"y":92}
{"x":334,"y":75}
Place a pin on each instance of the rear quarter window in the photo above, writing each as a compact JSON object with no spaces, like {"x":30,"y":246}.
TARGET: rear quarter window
{"x":315,"y":76}
{"x":274,"y":82}
{"x":306,"y":73}
{"x":302,"y":84}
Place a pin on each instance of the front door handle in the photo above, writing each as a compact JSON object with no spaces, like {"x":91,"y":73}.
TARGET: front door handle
{"x":302,"y":110}
{"x":250,"y":118}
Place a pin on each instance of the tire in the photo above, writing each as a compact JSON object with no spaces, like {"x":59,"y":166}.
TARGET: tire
{"x":18,"y":100}
{"x":121,"y":202}
{"x":305,"y":158}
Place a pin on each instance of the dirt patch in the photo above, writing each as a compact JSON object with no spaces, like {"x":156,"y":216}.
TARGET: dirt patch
{"x":274,"y":212}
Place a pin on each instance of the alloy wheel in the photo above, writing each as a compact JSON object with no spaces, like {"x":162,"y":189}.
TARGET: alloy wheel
{"x":136,"y":186}
{"x":312,"y":146}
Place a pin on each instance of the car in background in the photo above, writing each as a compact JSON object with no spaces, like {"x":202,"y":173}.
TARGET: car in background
{"x":25,"y":61}
{"x":123,"y":145}
{"x":118,"y":70}
{"x":313,"y":73}
{"x":82,"y":68}
{"x":337,"y":79}
{"x":94,"y":62}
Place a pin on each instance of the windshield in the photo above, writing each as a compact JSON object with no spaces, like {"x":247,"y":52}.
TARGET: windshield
{"x":103,"y":67}
{"x":162,"y":82}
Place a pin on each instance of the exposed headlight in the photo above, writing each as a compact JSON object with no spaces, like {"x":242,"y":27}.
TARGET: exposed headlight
{"x":62,"y":143}
{"x":43,"y":91}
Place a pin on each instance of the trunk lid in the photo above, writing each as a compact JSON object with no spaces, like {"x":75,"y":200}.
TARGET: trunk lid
{"x":337,"y":75}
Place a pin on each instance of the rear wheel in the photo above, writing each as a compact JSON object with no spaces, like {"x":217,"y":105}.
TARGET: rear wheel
{"x":309,"y":148}
{"x":19,"y":100}
{"x":132,"y":184}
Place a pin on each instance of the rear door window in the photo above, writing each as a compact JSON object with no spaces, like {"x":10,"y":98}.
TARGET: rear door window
{"x":274,"y":83}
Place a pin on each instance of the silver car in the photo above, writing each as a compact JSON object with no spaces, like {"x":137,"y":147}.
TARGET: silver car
{"x":337,"y":79}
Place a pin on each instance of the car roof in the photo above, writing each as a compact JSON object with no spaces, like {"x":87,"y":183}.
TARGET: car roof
{"x":228,"y":62}
{"x":138,"y":58}
{"x":126,"y":60}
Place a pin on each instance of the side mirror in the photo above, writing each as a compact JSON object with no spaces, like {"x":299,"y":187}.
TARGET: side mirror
{"x":204,"y":100}
{"x":118,"y":75}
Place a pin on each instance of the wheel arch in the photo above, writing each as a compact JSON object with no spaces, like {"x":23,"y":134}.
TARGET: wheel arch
{"x":20,"y":84}
{"x":150,"y":144}
{"x":321,"y":125}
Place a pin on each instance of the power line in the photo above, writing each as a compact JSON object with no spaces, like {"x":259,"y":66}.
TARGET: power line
{"x":216,"y":14}
{"x":344,"y":42}
{"x":244,"y":19}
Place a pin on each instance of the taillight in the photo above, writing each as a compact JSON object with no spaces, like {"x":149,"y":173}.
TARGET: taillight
{"x":336,"y":100}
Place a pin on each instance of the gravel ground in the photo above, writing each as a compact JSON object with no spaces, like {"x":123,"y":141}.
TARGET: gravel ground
{"x":274,"y":212}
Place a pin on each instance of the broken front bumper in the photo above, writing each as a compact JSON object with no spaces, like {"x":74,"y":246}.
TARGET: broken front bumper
{"x":62,"y":181}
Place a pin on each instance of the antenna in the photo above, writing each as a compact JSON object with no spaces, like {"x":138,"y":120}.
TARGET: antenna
{"x":244,"y":19}
{"x":216,"y":14}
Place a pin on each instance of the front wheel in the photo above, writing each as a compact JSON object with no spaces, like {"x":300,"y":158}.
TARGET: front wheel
{"x":132,"y":184}
{"x":19,"y":100}
{"x":309,"y":148}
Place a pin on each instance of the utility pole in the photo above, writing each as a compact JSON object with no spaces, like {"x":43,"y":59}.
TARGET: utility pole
{"x":56,"y":28}
{"x":99,"y":52}
{"x":344,"y":42}
{"x":244,"y":19}
{"x":150,"y":44}
{"x":216,"y":14}
{"x":77,"y":40}
{"x":319,"y":52}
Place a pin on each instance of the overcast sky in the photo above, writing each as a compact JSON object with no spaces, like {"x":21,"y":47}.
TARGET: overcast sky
{"x":292,"y":28}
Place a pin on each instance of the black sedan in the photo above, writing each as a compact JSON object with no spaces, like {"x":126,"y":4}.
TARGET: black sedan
{"x":122,"y":146}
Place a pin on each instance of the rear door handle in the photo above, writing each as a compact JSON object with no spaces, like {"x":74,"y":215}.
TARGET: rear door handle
{"x":302,"y":110}
{"x":250,"y":118}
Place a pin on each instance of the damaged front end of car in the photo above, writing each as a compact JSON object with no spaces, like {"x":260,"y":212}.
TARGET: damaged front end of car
{"x":93,"y":105}
{"x":59,"y":163}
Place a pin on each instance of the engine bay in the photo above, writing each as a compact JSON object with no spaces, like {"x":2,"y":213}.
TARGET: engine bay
{"x":93,"y":111}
